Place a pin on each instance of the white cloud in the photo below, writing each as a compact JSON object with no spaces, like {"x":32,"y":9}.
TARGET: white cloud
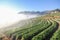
{"x":8,"y":16}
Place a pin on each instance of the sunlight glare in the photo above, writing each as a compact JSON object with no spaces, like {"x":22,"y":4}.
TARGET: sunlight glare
{"x":8,"y":16}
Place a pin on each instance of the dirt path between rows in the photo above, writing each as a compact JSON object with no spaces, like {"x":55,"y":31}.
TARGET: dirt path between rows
{"x":59,"y":24}
{"x":4,"y":37}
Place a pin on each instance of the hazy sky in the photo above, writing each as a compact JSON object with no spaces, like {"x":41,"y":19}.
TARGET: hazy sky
{"x":32,"y":5}
{"x":9,"y":9}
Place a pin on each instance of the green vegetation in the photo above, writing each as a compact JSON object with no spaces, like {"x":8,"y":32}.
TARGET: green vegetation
{"x":56,"y":35}
{"x":35,"y":31}
{"x":32,"y":29}
{"x":45,"y":33}
{"x":28,"y":23}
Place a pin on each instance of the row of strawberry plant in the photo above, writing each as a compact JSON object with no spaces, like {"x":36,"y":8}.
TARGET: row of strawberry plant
{"x":37,"y":22}
{"x":28,"y":23}
{"x":56,"y":35}
{"x":46,"y":33}
{"x":25,"y":28}
{"x":32,"y":33}
{"x":24,"y":31}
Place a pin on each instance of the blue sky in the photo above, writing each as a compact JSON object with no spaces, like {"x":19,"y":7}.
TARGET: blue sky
{"x":31,"y":5}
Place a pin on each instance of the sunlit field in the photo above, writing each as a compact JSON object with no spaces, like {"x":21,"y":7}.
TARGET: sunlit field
{"x":8,"y":16}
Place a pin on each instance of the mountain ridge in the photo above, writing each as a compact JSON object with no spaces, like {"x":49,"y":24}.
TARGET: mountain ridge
{"x":39,"y":13}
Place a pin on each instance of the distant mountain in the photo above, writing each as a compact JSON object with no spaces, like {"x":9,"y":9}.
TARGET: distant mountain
{"x":40,"y":13}
{"x":29,"y":12}
{"x":55,"y":11}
